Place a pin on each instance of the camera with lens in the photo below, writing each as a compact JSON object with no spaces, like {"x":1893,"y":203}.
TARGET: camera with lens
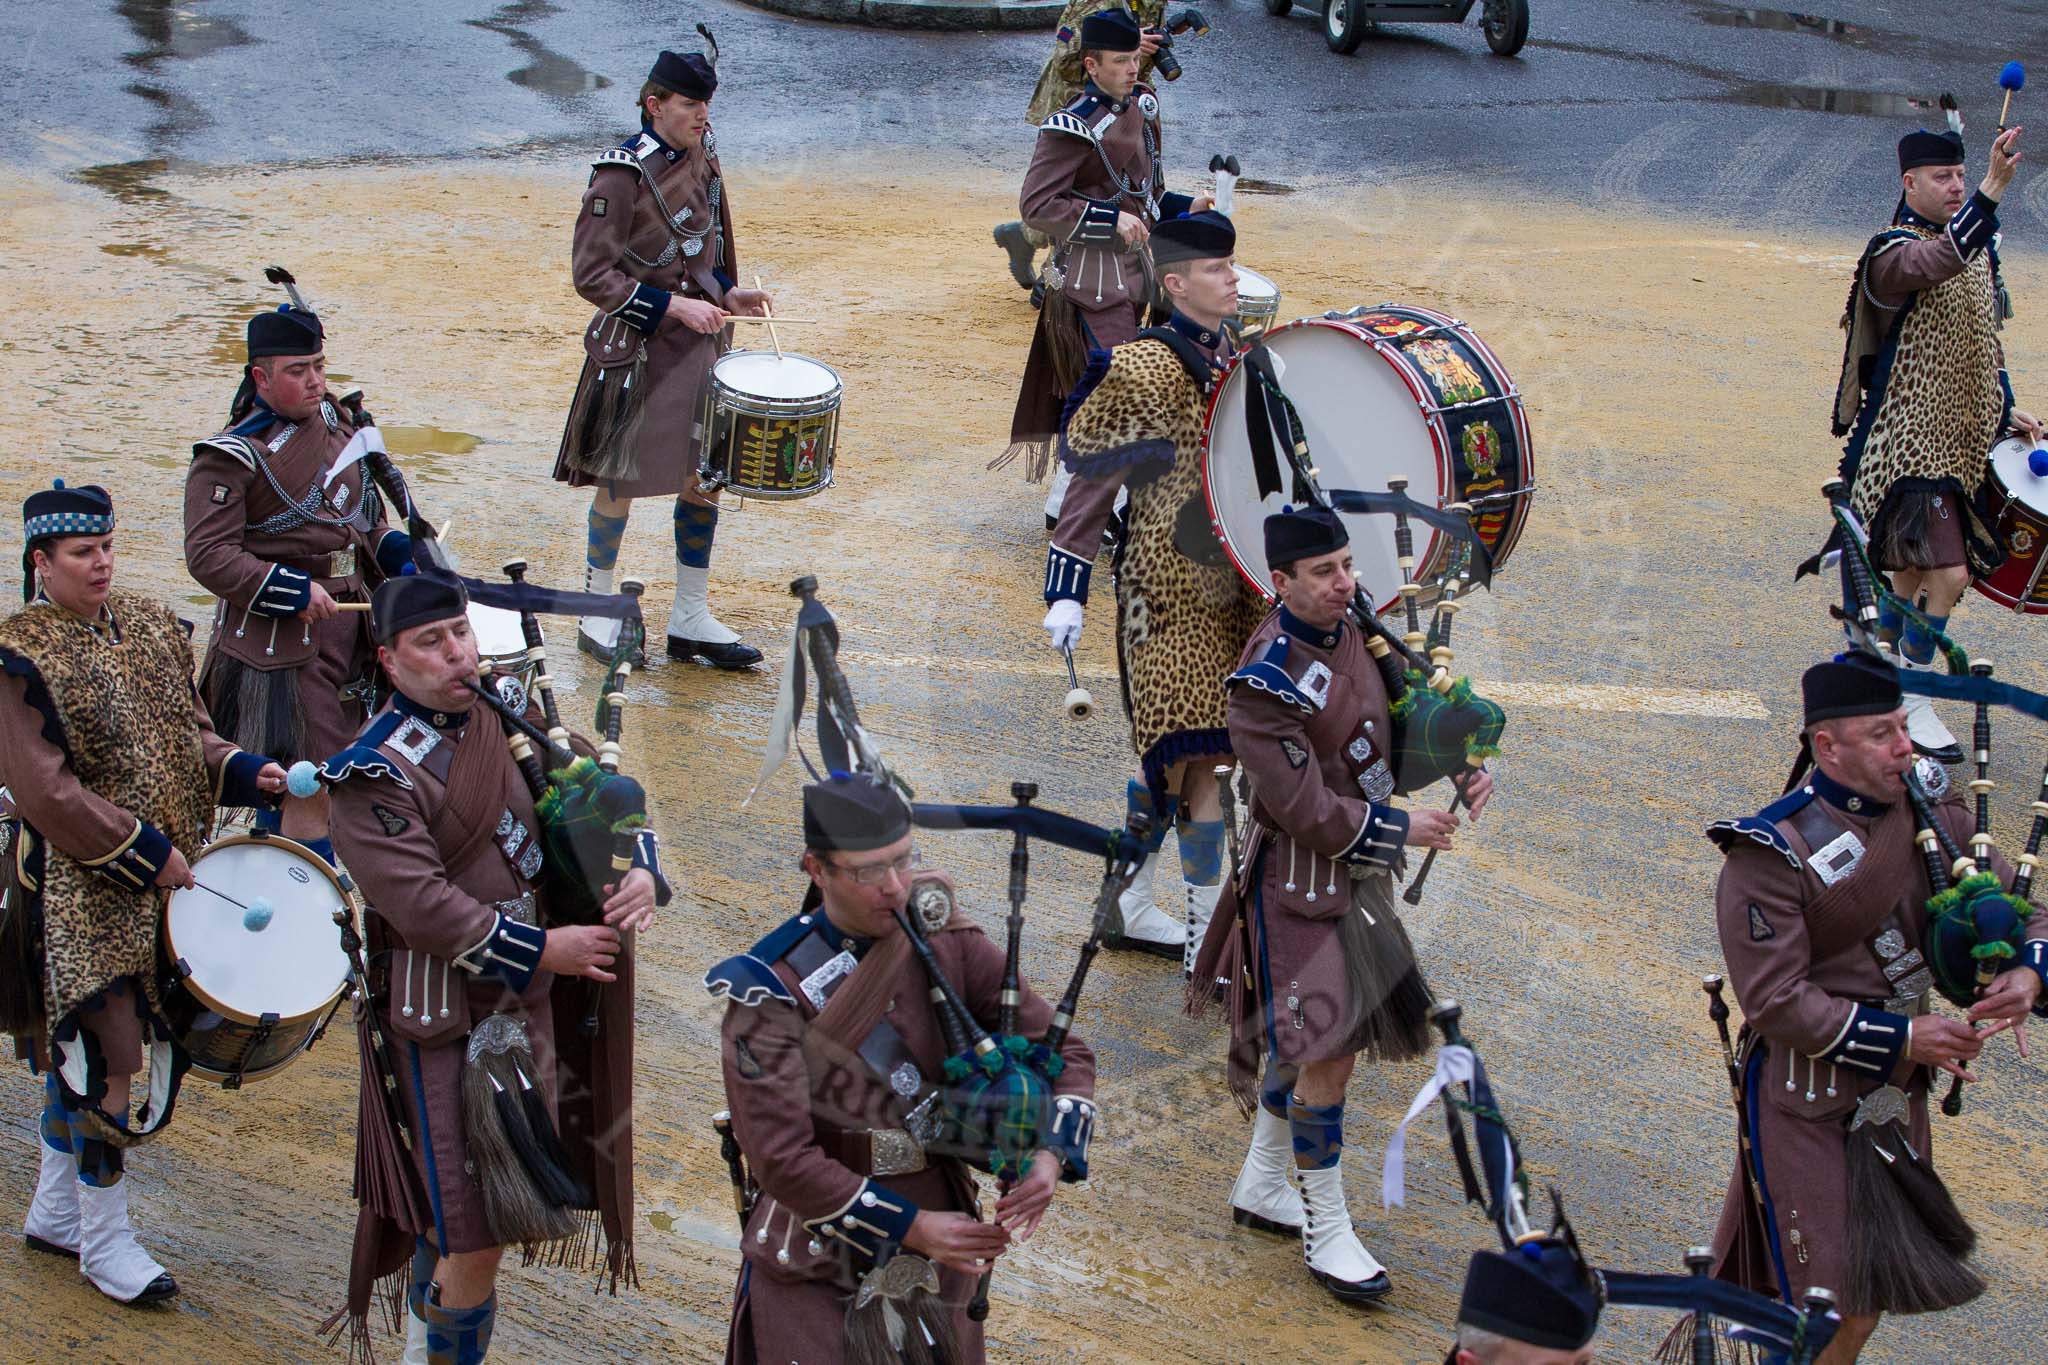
{"x":1163,"y":61}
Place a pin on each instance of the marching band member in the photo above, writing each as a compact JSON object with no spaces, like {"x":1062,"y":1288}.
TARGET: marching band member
{"x":1180,"y":622}
{"x":653,"y":253}
{"x":831,"y":1049}
{"x":1821,"y":905}
{"x":434,"y":819}
{"x":1058,"y":84}
{"x":1096,"y":186}
{"x":1524,"y":1310}
{"x":1331,"y":970}
{"x":281,"y":524}
{"x":112,"y":769}
{"x":1924,"y":394}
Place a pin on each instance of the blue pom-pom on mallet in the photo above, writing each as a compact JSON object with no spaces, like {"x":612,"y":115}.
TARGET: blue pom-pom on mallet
{"x":2037,"y":462}
{"x":258,"y":916}
{"x":303,"y":779}
{"x":2012,"y":78}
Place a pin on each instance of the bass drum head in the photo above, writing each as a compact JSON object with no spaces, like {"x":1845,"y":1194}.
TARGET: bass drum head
{"x":242,"y":963}
{"x":782,"y":378}
{"x":1365,"y":425}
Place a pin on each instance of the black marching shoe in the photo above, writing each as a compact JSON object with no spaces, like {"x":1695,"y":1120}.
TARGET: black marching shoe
{"x":157,"y":1290}
{"x":737,"y":657}
{"x":1011,"y":238}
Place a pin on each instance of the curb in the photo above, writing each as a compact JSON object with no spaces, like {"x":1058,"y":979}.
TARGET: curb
{"x":950,"y":15}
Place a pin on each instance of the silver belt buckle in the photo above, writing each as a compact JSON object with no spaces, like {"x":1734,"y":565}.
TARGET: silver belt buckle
{"x":892,"y":1151}
{"x":342,"y":563}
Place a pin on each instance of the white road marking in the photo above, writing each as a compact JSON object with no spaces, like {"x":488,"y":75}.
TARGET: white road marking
{"x":1607,"y":697}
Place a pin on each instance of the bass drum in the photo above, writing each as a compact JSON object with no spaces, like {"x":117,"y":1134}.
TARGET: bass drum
{"x":1383,"y":393}
{"x":2015,"y":501}
{"x":253,"y":956}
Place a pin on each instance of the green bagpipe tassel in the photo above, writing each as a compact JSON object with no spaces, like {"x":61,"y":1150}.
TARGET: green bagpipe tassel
{"x":1438,"y":734}
{"x":580,"y":812}
{"x":1974,"y":922}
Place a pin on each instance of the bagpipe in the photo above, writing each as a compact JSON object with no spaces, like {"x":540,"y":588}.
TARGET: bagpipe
{"x":1718,"y":1311}
{"x":1975,"y":927}
{"x":1442,"y":728}
{"x":994,"y":1104}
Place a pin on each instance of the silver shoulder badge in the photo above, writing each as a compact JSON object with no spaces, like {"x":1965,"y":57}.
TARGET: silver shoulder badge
{"x":1838,"y":858}
{"x":1148,"y":104}
{"x":1314,"y":683}
{"x":710,"y":142}
{"x":931,"y":900}
{"x":1934,"y":779}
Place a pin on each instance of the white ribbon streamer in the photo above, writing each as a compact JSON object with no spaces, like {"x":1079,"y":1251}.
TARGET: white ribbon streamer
{"x":359,"y":445}
{"x":1454,"y":1066}
{"x":782,"y":723}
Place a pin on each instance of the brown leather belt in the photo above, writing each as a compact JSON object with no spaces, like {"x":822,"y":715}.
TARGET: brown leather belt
{"x":872,"y":1151}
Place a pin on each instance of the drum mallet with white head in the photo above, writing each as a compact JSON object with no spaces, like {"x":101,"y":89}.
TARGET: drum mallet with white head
{"x":1079,"y":703}
{"x":1225,"y":169}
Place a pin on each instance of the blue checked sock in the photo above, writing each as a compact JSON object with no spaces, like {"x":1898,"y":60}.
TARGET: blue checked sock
{"x":1890,"y":621}
{"x":423,"y":1262}
{"x":605,"y":534}
{"x":1916,"y":645}
{"x":1138,"y":801}
{"x":458,"y":1336}
{"x":1318,"y":1134}
{"x":696,"y":527}
{"x":1277,"y":1094}
{"x":267,"y":818}
{"x":1201,"y":852}
{"x":56,"y":1120}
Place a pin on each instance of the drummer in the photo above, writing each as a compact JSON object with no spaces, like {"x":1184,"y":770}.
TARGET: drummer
{"x":283,"y":527}
{"x":654,"y":253}
{"x":112,"y":770}
{"x":1181,"y":623}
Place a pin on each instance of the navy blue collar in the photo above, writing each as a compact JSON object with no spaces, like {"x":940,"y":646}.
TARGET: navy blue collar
{"x":1116,"y":106}
{"x":1844,"y":798}
{"x":440,"y":720}
{"x":1209,"y":339}
{"x":260,"y":417}
{"x":1905,"y":217}
{"x":839,"y":939}
{"x":672,"y":153}
{"x":1308,"y":634}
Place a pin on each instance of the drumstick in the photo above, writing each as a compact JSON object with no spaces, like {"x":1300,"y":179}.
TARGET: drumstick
{"x":768,"y":316}
{"x":351,"y":606}
{"x":778,"y":318}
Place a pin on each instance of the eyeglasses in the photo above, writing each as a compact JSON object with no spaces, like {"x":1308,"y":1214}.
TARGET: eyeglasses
{"x":874,"y":874}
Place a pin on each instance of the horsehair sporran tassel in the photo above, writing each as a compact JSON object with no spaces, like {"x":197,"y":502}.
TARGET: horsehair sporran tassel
{"x":1908,"y":1242}
{"x":502,"y":1147}
{"x":897,"y":1317}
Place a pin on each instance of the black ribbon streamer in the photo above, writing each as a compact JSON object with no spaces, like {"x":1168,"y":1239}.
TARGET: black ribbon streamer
{"x":1450,"y":523}
{"x":1960,"y":687}
{"x":1258,"y":421}
{"x":544,"y":601}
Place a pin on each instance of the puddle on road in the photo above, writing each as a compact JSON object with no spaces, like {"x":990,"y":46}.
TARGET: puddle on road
{"x":1782,"y":21}
{"x":128,"y":181}
{"x":173,"y":29}
{"x":147,"y":250}
{"x":427,"y":440}
{"x":1247,"y":185}
{"x":549,"y":73}
{"x":1829,"y":100}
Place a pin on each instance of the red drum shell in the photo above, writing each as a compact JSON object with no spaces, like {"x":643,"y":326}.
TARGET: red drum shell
{"x":2015,"y":502}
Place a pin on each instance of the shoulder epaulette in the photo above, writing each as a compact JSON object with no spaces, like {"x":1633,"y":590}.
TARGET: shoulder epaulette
{"x":1762,"y":828}
{"x":1269,"y":675}
{"x":1073,"y":124}
{"x":614,"y":156}
{"x":749,"y":978}
{"x":364,"y":757}
{"x":241,"y":449}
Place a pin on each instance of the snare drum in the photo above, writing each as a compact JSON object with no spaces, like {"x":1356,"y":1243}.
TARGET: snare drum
{"x":254,"y":963}
{"x":500,"y":641}
{"x":1385,"y":392}
{"x":770,"y":425}
{"x":2015,"y":500}
{"x":1258,"y":304}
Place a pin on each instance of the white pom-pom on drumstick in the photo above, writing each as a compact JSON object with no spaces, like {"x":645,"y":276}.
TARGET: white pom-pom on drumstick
{"x":1080,"y":704}
{"x":303,"y":779}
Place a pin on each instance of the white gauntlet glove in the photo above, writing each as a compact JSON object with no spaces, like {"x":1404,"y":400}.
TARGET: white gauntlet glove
{"x":1063,"y":623}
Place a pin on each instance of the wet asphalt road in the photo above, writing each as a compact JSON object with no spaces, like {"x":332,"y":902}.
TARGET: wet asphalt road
{"x":1692,"y":106}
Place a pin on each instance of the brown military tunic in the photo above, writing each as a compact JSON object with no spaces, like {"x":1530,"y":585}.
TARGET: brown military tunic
{"x":1179,"y":617}
{"x":655,"y":225}
{"x":1311,"y":907}
{"x":1094,"y":159}
{"x":807,"y":1106}
{"x":109,"y":761}
{"x":272,"y":508}
{"x":1827,"y":990}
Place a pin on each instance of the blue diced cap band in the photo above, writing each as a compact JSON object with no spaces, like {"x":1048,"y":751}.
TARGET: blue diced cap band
{"x":66,"y":524}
